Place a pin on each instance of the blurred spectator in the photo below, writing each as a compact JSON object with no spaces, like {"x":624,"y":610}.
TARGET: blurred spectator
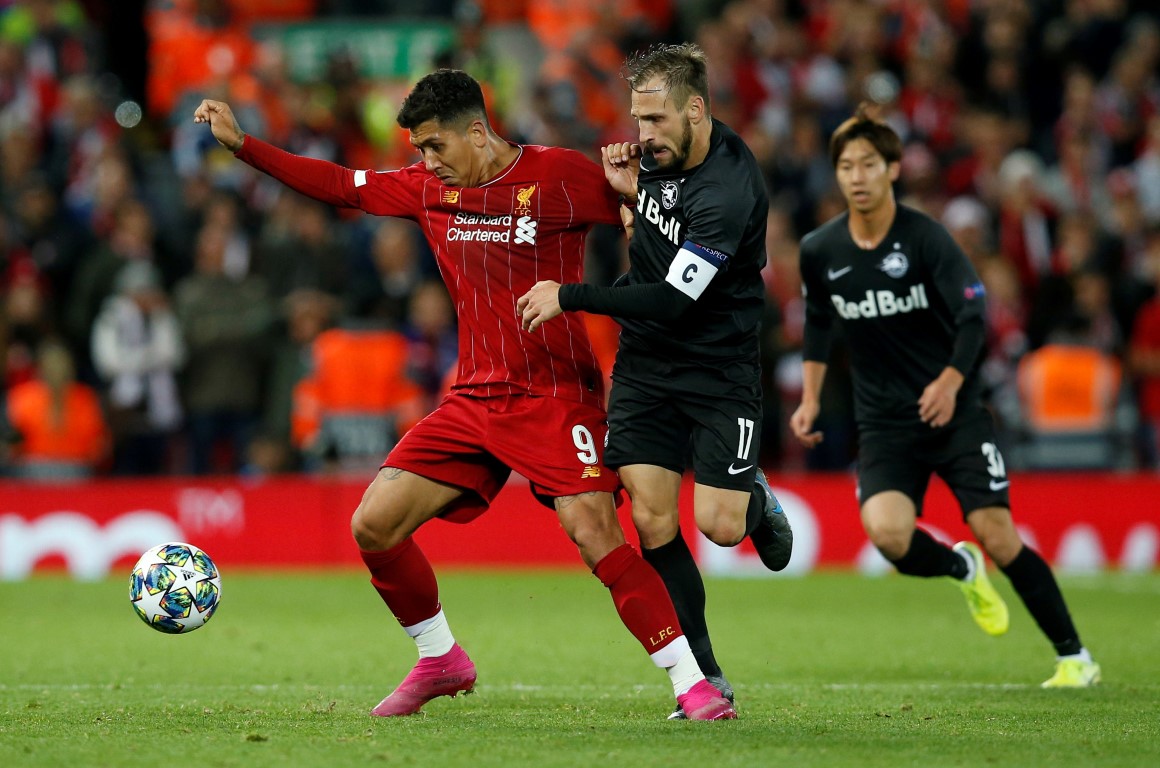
{"x":308,"y":256}
{"x":192,"y":42}
{"x":130,"y":241}
{"x":226,"y":323}
{"x":382,"y":291}
{"x":497,"y":71}
{"x":84,"y":160}
{"x":53,"y":241}
{"x":289,"y":417}
{"x":1144,"y":361}
{"x":1146,"y":169}
{"x":59,"y":432}
{"x":433,"y":343}
{"x":969,"y":222}
{"x":25,"y":322}
{"x":1070,"y":393}
{"x":137,"y":350}
{"x":1025,"y":217}
{"x":364,"y":397}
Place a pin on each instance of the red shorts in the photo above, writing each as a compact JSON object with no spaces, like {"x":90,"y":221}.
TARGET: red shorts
{"x":474,"y":443}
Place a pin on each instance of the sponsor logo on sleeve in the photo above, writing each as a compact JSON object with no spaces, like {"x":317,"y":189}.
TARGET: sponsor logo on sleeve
{"x":974,"y":291}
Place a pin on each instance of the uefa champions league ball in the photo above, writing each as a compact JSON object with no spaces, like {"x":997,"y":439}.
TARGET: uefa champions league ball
{"x":175,"y":587}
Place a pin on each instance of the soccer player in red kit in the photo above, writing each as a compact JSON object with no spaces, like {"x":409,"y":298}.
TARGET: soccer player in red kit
{"x":499,"y":217}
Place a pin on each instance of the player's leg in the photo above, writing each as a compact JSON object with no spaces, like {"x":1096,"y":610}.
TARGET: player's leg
{"x":566,"y":469}
{"x":648,"y":441}
{"x":395,"y":504}
{"x":425,"y":477}
{"x":892,"y":480}
{"x":655,"y":492}
{"x":889,"y":519}
{"x":640,"y":599}
{"x":1033,"y":581}
{"x":732,"y":499}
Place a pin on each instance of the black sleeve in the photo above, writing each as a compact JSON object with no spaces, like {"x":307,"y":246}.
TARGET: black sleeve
{"x":651,"y":301}
{"x":968,"y":344}
{"x":959,"y":286}
{"x":818,"y":334}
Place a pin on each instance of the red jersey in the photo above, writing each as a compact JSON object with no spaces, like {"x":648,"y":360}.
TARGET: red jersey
{"x":492,"y":244}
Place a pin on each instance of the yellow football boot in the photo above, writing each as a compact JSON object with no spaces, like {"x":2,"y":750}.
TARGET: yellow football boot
{"x":1073,"y":673}
{"x":987,"y":607}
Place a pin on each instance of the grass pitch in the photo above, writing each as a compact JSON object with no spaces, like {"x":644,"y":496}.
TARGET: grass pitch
{"x":831,"y":670}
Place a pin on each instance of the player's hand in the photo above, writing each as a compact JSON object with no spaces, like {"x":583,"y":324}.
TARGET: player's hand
{"x":539,"y":305}
{"x":628,"y":220}
{"x":222,"y":123}
{"x":802,"y":422}
{"x":936,"y":407}
{"x":621,"y":167}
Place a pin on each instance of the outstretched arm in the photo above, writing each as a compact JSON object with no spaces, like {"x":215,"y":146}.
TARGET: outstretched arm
{"x":329,"y":182}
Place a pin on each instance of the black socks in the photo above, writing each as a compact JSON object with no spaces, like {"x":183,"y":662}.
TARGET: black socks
{"x":1033,"y":580}
{"x":675,"y":563}
{"x":927,"y":557}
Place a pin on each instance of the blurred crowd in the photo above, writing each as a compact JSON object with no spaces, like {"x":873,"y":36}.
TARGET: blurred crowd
{"x":165,"y":309}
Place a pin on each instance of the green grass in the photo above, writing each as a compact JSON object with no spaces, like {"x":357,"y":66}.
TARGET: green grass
{"x":830,"y":670}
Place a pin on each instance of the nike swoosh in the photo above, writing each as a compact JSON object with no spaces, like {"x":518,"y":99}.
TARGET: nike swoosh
{"x":998,"y":485}
{"x":733,"y":471}
{"x":835,"y":274}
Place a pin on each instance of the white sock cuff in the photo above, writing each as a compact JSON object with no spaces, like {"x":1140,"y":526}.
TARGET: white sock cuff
{"x":970,"y":564}
{"x":671,"y":653}
{"x":416,"y":629}
{"x":1083,"y":655}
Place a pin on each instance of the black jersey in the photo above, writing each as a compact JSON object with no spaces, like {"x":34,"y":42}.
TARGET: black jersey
{"x":909,"y":308}
{"x":703,"y":231}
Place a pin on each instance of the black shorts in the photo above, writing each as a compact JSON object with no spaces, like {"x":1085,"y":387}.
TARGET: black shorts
{"x":662,"y":411}
{"x":965,"y":455}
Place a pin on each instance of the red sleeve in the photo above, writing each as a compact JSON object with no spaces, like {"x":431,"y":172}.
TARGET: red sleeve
{"x":596,"y":202}
{"x":381,"y":193}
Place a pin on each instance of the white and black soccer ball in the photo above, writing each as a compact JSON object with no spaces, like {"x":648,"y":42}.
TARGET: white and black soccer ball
{"x":175,"y":587}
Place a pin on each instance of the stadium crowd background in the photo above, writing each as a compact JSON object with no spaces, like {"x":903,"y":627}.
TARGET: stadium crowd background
{"x":165,"y":309}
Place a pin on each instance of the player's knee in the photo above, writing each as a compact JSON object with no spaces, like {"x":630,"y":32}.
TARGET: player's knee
{"x":371,"y":527}
{"x":997,"y":535}
{"x":654,"y":525}
{"x":722,"y":528}
{"x":892,"y":541}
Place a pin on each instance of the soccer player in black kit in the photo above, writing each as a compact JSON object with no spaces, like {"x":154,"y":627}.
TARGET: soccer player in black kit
{"x":911,"y":307}
{"x":687,"y":373}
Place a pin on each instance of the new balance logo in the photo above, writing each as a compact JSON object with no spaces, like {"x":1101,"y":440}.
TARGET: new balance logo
{"x":590,"y":471}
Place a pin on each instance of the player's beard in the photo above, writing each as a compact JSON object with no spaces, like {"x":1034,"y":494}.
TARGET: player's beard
{"x":680,"y":153}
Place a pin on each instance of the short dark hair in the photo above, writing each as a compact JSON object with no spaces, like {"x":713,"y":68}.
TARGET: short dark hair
{"x":447,"y":96}
{"x":862,"y":126}
{"x":683,"y":67}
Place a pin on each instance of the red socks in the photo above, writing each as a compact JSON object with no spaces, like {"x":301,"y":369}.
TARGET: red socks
{"x":405,"y":581}
{"x":640,"y":597}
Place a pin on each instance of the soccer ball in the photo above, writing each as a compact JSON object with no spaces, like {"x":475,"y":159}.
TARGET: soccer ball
{"x":175,"y":587}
